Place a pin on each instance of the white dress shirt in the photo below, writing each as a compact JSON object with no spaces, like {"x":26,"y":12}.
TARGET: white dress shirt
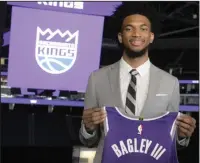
{"x":142,"y":86}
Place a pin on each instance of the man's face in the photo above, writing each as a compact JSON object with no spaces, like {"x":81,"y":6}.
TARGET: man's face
{"x":136,"y":35}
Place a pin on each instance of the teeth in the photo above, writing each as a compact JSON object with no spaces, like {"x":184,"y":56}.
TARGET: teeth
{"x":136,"y":42}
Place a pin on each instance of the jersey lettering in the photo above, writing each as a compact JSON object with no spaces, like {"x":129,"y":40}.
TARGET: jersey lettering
{"x":143,"y":141}
{"x":134,"y":145}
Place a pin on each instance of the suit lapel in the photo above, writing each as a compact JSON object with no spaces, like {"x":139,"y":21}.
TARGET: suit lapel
{"x":114,"y":78}
{"x":154,"y":82}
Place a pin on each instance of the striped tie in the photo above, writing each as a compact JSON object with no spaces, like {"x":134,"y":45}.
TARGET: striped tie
{"x":131,"y":93}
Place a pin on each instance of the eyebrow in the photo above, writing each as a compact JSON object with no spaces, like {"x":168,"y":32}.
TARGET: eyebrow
{"x":144,"y":25}
{"x":132,"y":25}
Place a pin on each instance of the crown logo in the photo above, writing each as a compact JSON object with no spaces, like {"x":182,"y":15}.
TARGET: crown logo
{"x":58,"y":50}
{"x":67,"y":36}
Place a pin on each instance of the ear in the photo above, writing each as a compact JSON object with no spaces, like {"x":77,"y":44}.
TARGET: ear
{"x":120,"y":37}
{"x":152,"y":38}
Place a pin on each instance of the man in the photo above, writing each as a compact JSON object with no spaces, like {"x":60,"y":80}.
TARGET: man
{"x":156,"y":91}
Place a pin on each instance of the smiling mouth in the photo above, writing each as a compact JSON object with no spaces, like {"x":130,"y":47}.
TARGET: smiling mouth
{"x":136,"y":42}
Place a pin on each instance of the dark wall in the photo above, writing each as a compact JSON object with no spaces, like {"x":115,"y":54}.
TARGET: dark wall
{"x":30,"y":133}
{"x":191,"y":153}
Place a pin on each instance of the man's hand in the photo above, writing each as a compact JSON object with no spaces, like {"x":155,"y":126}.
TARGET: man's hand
{"x":92,"y":117}
{"x":186,"y":126}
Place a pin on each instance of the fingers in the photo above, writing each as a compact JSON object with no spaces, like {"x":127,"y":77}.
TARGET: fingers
{"x":187,"y":120}
{"x":99,"y":118}
{"x":98,"y":109}
{"x":186,"y":129}
{"x":186,"y":125}
{"x":88,"y":112}
{"x":183,"y":132}
{"x":94,"y":116}
{"x":98,"y":113}
{"x":183,"y":125}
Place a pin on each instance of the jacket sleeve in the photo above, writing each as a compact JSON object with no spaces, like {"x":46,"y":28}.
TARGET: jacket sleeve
{"x":174,"y":106}
{"x":91,"y":101}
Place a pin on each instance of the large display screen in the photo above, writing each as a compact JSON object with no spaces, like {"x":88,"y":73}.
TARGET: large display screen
{"x":53,"y":50}
{"x":90,"y":8}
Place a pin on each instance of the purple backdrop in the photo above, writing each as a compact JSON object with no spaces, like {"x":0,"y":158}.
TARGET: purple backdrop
{"x":90,"y":8}
{"x":24,"y":70}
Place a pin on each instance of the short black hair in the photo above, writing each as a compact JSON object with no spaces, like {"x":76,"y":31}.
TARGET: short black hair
{"x":137,"y":7}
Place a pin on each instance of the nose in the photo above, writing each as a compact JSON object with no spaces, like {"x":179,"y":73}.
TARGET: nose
{"x":136,"y":33}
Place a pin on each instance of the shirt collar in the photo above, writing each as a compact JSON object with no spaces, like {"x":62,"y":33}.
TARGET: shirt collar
{"x":142,"y":69}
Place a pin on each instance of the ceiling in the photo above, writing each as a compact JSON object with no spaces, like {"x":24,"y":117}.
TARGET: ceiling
{"x":179,"y":19}
{"x":181,"y":16}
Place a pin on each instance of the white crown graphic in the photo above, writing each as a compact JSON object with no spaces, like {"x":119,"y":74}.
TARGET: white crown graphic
{"x":69,"y":36}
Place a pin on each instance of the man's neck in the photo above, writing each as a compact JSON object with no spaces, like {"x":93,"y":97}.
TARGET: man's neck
{"x":136,"y":62}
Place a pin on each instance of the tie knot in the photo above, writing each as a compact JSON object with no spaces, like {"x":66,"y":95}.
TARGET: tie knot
{"x":133,"y":72}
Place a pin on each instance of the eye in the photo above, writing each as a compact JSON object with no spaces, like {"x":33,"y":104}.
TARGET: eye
{"x":128,"y":29}
{"x":144,"y":28}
